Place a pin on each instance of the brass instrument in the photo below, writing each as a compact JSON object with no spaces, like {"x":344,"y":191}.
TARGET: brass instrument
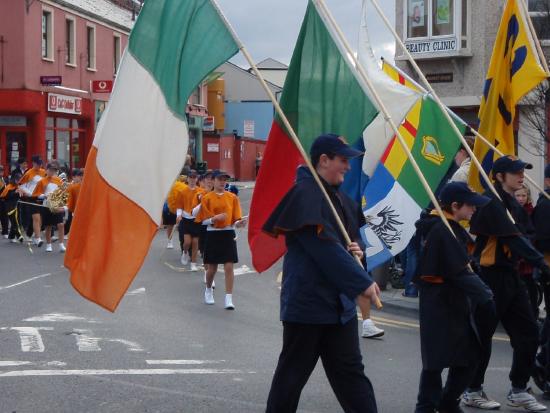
{"x":58,"y":198}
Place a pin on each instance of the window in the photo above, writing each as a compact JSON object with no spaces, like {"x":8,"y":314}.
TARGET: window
{"x":70,"y":41}
{"x":90,"y":47}
{"x":116,"y":50}
{"x":436,"y":26}
{"x":539,"y":10}
{"x":47,"y":34}
{"x":64,"y":139}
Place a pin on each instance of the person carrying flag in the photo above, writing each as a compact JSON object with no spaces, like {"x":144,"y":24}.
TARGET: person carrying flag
{"x":321,"y":281}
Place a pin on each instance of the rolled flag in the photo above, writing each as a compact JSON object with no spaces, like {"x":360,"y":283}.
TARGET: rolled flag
{"x":141,"y":143}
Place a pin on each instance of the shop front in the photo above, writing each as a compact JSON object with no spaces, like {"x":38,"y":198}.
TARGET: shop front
{"x":52,"y":125}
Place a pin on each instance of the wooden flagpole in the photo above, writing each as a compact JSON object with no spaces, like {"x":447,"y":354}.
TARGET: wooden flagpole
{"x":292,"y":133}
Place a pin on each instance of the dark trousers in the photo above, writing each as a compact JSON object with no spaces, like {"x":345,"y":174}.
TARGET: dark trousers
{"x":516,"y":315}
{"x":431,"y":394}
{"x":4,"y":221}
{"x":68,"y":223}
{"x":181,"y":233}
{"x":14,"y":230}
{"x":338,"y":347}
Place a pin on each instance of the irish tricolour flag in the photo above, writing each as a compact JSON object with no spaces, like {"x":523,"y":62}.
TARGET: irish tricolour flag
{"x":321,"y":95}
{"x":141,"y":143}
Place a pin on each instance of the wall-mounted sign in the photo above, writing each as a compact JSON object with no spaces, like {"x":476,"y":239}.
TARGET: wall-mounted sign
{"x":50,"y":80}
{"x":248,"y":131}
{"x":13,"y":121}
{"x":432,"y":45}
{"x":64,"y":104}
{"x":102,"y":86}
{"x":208,"y":124}
{"x":212,"y":147}
{"x":439,"y":77}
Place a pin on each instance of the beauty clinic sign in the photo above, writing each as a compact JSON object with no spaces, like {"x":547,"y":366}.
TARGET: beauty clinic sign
{"x":64,"y":104}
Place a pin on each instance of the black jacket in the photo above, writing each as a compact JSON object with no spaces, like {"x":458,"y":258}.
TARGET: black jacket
{"x":321,"y":279}
{"x":447,"y":334}
{"x":541,"y":221}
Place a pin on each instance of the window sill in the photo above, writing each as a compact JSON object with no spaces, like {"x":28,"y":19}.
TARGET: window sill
{"x":71,"y":64}
{"x":48,"y":59}
{"x":463,"y":53}
{"x":91,"y":69}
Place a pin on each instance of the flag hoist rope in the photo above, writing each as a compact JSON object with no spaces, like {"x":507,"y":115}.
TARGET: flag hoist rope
{"x":475,"y":132}
{"x":290,"y":130}
{"x":388,"y":118}
{"x":439,"y":103}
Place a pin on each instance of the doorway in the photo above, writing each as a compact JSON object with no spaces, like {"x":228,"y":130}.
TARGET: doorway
{"x":13,"y":145}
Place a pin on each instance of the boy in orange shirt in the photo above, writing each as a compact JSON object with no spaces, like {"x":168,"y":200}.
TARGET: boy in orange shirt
{"x":73,"y":190}
{"x":220,"y":210}
{"x":26,"y":188}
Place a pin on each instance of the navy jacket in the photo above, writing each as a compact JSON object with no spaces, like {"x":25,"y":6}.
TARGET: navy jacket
{"x":321,"y":279}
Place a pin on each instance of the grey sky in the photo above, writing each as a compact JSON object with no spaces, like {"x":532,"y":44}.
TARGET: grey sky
{"x":270,"y":28}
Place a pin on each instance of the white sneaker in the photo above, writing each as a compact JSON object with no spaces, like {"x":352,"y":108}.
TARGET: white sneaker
{"x":62,"y":247}
{"x":193,"y":267}
{"x":184,"y":258}
{"x":480,"y":400}
{"x":65,"y":237}
{"x":526,"y":400}
{"x":170,"y":245}
{"x":229,"y":302}
{"x":5,"y":236}
{"x":37,"y":241}
{"x":13,"y":241}
{"x":370,"y":330}
{"x":49,"y":248}
{"x":208,"y":296}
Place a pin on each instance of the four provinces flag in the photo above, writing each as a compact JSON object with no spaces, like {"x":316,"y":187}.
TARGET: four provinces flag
{"x":140,"y":143}
{"x":321,"y":94}
{"x":394,"y":196}
{"x":514,"y":70}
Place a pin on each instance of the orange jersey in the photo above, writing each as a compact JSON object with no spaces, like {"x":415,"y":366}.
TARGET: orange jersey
{"x":30,"y":179}
{"x":173,"y":195}
{"x":47,"y":185}
{"x":7,"y":188}
{"x":214,"y":204}
{"x":73,"y":190}
{"x":188,"y":199}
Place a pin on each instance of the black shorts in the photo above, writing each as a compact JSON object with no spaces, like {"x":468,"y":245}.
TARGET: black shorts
{"x":190,"y":227}
{"x":32,"y":209}
{"x":168,"y":218}
{"x":221,"y":247}
{"x":50,"y":218}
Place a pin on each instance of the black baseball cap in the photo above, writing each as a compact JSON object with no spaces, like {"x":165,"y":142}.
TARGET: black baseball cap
{"x":37,"y":160}
{"x":547,"y":171}
{"x":461,"y":192}
{"x":78,"y":172}
{"x":52,"y":165}
{"x":510,"y":163}
{"x":330,"y":143}
{"x":217,"y":173}
{"x":192,"y":173}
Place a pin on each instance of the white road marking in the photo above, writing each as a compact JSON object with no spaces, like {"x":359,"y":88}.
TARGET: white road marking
{"x":25,"y":281}
{"x":132,"y":345}
{"x":7,"y":363}
{"x":31,"y":340}
{"x":85,"y":341}
{"x":58,"y":317}
{"x":185,"y":362}
{"x":132,"y":372}
{"x":137,"y":291}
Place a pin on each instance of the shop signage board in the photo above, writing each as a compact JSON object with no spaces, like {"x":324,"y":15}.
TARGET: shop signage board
{"x":248,"y":129}
{"x":208,"y":124}
{"x":64,"y":104}
{"x":212,"y":147}
{"x":51,"y":80}
{"x":102,"y":86}
{"x":439,"y":77}
{"x":428,"y":46}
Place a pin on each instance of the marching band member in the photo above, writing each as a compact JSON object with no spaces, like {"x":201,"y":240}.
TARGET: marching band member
{"x":73,"y":191}
{"x":221,"y":211}
{"x":169,"y":210}
{"x":186,"y":201}
{"x":27,"y":185}
{"x":44,"y":187}
{"x":9,"y":197}
{"x":4,"y":221}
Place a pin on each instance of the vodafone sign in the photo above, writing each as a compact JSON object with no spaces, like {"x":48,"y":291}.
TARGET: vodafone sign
{"x":102,"y":86}
{"x":64,"y":104}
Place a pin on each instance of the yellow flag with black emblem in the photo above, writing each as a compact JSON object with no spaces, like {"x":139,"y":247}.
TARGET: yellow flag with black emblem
{"x":514,"y":70}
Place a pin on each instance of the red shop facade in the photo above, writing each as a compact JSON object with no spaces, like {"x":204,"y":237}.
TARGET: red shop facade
{"x":54,"y":125}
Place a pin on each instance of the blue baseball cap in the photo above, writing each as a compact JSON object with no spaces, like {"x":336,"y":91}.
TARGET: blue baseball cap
{"x":217,"y":173}
{"x":332,"y":144}
{"x":510,"y":163}
{"x":461,"y":192}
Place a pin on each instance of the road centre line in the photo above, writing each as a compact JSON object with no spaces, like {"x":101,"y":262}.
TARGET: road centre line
{"x":119,"y":372}
{"x":25,"y":281}
{"x":183,"y":362}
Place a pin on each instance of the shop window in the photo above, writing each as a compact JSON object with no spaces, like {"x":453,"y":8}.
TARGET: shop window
{"x":116,"y":53}
{"x":47,"y":34}
{"x":539,"y":10}
{"x":90,"y":47}
{"x":70,"y":41}
{"x":64,"y":140}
